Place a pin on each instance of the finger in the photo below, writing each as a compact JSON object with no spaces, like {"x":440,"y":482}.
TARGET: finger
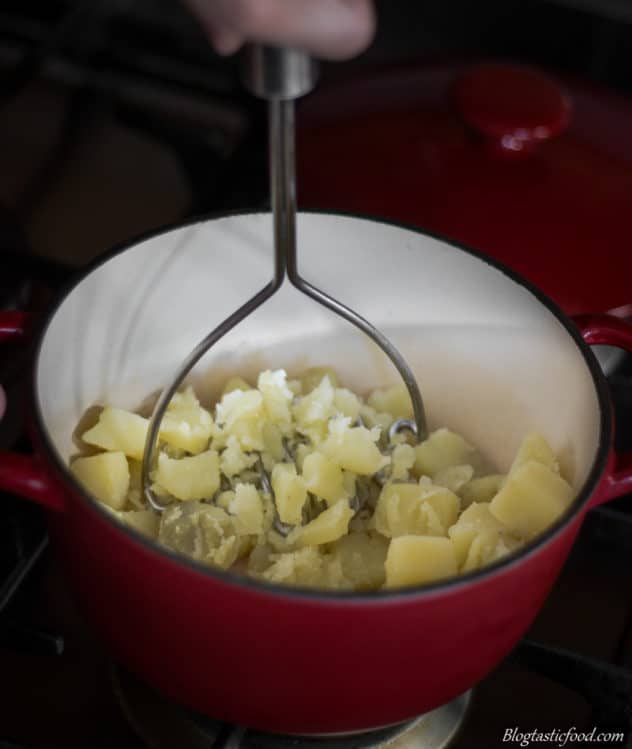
{"x":225,"y":41}
{"x":223,"y":37}
{"x":331,"y":29}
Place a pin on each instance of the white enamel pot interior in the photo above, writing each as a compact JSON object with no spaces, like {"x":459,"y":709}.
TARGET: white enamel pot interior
{"x":492,"y":360}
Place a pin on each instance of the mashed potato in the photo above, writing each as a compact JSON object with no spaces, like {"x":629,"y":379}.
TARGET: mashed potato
{"x":296,"y":482}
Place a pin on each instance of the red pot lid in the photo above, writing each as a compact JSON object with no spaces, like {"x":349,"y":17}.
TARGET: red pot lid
{"x":528,"y":168}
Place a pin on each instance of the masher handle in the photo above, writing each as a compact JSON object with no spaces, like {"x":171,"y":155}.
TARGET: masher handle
{"x":281,"y":75}
{"x":278,"y":73}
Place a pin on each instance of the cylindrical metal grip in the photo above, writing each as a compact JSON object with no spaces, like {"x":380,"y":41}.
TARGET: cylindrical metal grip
{"x":278,"y":73}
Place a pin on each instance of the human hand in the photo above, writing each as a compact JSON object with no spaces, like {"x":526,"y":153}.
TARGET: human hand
{"x":329,"y":29}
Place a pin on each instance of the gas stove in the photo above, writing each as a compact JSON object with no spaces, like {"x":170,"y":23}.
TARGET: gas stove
{"x":572,"y":675}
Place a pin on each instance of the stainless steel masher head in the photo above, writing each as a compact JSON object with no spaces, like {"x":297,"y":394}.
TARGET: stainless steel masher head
{"x":280,"y":76}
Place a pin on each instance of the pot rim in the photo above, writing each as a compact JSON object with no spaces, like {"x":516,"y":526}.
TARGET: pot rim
{"x":380,"y":597}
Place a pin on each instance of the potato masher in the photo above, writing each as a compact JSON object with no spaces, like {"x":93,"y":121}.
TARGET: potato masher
{"x":280,"y":76}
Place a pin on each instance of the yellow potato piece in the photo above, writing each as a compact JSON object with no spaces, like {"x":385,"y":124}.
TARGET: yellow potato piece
{"x":224,"y":499}
{"x":373,"y":418}
{"x":353,"y":448}
{"x":105,"y":476}
{"x":441,"y":450}
{"x":313,"y":377}
{"x":532,"y":499}
{"x":347,"y":403}
{"x":289,"y":493}
{"x":302,"y":567}
{"x":476,"y":519}
{"x":415,"y":560}
{"x":119,"y":431}
{"x":277,"y":398}
{"x":404,"y":509}
{"x":445,"y":504}
{"x":233,"y":460}
{"x":482,"y":489}
{"x":195,"y":477}
{"x":362,"y":558}
{"x":202,"y":532}
{"x":329,"y":526}
{"x":403,"y":459}
{"x":394,"y":401}
{"x":247,"y":508}
{"x":486,"y":547}
{"x":186,"y":425}
{"x":242,"y":415}
{"x":236,"y":383}
{"x":535,"y":447}
{"x":273,"y":442}
{"x":302,"y":451}
{"x":454,"y":477}
{"x":315,"y":408}
{"x":144,"y":521}
{"x":323,"y":478}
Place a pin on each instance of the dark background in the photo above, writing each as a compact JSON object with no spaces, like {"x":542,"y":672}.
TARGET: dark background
{"x":116,"y":116}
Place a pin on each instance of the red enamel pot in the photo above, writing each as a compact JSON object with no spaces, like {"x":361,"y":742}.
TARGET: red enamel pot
{"x":528,"y":166}
{"x":495,"y":358}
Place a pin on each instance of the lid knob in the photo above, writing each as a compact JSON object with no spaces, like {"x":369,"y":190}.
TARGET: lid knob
{"x":513,"y":107}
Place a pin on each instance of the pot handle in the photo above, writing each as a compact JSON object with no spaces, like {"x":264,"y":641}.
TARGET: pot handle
{"x":608,"y":330}
{"x":24,"y":475}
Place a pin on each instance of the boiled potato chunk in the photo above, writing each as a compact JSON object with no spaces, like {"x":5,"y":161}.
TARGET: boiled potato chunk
{"x":372,"y":418}
{"x":195,"y":477}
{"x":393,"y":400}
{"x":535,"y":447}
{"x":362,"y":557}
{"x":475,"y":520}
{"x":329,"y":526}
{"x":403,"y":459}
{"x":119,"y":430}
{"x":454,"y":477}
{"x":186,"y":425}
{"x":353,"y":448}
{"x":241,"y":414}
{"x":289,"y":493}
{"x":317,"y":406}
{"x":415,"y":560}
{"x":446,"y":506}
{"x":347,"y":403}
{"x":405,"y":509}
{"x":247,"y":508}
{"x":273,"y":442}
{"x":106,"y":476}
{"x":313,"y":377}
{"x":306,"y":567}
{"x":531,"y":500}
{"x":487,"y":547}
{"x":202,"y":532}
{"x":277,"y":398}
{"x":144,"y":521}
{"x":234,"y":460}
{"x":441,"y":450}
{"x":296,"y":568}
{"x":323,"y":478}
{"x":482,"y":489}
{"x":235,"y":383}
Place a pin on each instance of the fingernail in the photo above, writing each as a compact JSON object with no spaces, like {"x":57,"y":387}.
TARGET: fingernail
{"x":226,"y":42}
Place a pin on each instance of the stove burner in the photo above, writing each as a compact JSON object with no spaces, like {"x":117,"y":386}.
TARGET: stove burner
{"x":162,"y":724}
